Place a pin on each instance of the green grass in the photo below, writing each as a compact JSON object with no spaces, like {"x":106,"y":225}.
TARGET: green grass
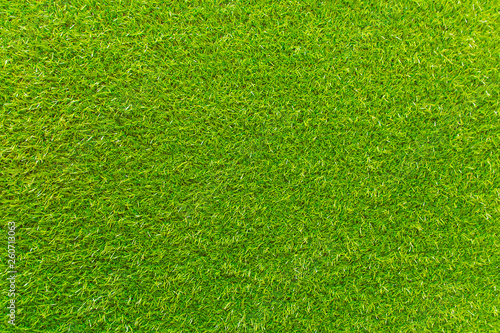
{"x":251,"y":166}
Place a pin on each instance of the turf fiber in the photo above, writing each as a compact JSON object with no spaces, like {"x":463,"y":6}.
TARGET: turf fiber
{"x":251,"y":166}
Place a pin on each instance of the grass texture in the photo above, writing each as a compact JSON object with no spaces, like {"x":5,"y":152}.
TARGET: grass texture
{"x":252,"y":166}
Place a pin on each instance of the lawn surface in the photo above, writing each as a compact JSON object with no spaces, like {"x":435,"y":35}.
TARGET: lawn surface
{"x":251,"y":166}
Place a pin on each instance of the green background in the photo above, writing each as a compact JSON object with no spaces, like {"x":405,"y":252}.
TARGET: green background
{"x":251,"y":166}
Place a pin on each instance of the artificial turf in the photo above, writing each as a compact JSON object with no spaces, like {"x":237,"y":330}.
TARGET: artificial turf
{"x":251,"y":166}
